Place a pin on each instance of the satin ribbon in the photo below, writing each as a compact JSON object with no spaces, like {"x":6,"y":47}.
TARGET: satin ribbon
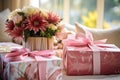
{"x":81,"y":40}
{"x":19,"y":54}
{"x":43,"y":53}
{"x":16,"y":54}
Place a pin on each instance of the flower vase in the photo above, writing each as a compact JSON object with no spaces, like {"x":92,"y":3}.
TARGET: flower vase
{"x":39,"y":43}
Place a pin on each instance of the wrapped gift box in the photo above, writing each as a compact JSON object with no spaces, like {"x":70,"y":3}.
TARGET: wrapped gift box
{"x":84,"y":56}
{"x":84,"y":61}
{"x":33,"y":68}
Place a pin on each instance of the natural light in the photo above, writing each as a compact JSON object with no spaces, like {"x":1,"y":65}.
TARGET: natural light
{"x":107,"y":13}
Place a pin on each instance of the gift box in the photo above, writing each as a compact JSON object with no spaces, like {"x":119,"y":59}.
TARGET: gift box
{"x":82,"y":56}
{"x":35,"y":65}
{"x":84,"y":61}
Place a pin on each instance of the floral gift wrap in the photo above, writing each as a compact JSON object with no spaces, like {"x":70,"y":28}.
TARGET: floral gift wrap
{"x":50,"y":70}
{"x":35,"y":65}
{"x":21,"y":71}
{"x":83,"y":56}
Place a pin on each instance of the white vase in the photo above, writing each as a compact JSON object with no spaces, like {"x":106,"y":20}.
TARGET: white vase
{"x":39,"y":43}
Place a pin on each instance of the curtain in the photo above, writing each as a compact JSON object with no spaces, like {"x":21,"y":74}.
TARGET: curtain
{"x":13,"y":4}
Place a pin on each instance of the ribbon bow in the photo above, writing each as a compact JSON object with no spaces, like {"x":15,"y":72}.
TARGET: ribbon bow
{"x":16,"y":54}
{"x":40,"y":54}
{"x":19,"y":54}
{"x":81,"y":39}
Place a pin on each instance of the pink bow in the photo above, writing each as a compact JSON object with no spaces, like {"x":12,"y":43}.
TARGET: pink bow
{"x":16,"y":54}
{"x":82,"y":40}
{"x":19,"y":54}
{"x":43,"y":53}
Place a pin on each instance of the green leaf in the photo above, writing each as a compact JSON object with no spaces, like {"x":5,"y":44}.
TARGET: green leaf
{"x":26,"y":34}
{"x":21,"y":13}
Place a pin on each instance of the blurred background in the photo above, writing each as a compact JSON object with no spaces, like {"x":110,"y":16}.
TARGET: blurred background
{"x":103,"y":14}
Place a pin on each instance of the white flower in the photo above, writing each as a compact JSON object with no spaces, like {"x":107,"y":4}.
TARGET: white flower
{"x":17,"y":18}
{"x":30,"y":10}
{"x":52,"y":26}
{"x":43,"y":12}
{"x":14,"y":13}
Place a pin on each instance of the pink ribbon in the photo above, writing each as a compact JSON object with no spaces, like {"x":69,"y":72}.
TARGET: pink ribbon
{"x":16,"y":54}
{"x":43,"y":53}
{"x":19,"y":54}
{"x":80,"y":40}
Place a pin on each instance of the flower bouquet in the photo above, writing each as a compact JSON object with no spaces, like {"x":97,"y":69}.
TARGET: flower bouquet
{"x":31,"y":22}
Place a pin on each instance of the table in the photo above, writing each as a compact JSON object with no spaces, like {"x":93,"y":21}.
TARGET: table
{"x":92,"y":77}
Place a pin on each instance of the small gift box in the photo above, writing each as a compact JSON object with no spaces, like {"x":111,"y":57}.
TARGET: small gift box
{"x":35,"y":65}
{"x":83,"y":56}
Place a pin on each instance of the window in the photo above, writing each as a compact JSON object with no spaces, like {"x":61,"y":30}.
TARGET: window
{"x":80,"y":8}
{"x":112,"y":12}
{"x":92,"y":13}
{"x":52,"y":5}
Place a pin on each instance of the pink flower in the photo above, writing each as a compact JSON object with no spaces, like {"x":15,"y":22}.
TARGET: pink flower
{"x":17,"y":32}
{"x":36,"y":23}
{"x":9,"y":26}
{"x":33,"y":22}
{"x":53,"y":18}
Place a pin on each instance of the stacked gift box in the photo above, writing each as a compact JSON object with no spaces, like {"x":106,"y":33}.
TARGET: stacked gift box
{"x":83,"y":56}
